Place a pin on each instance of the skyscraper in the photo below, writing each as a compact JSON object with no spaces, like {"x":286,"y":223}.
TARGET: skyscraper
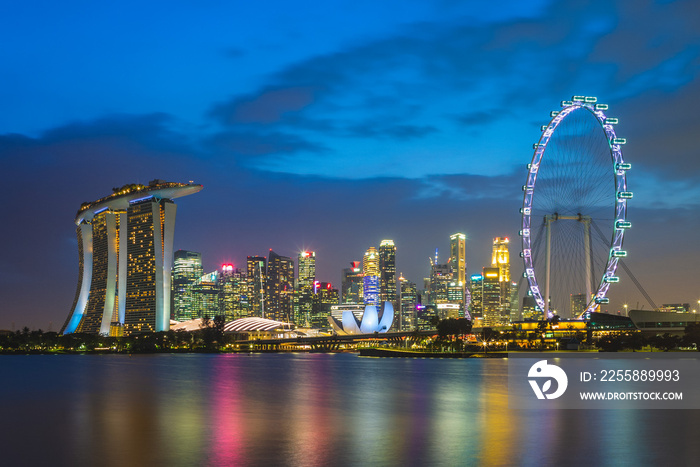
{"x":233,"y":293}
{"x":351,"y":288}
{"x":409,"y":302}
{"x":304,"y":293}
{"x":125,"y":260}
{"x":476,"y":307}
{"x":324,"y":297}
{"x":187,"y":269}
{"x":279,"y":290}
{"x":458,"y":258}
{"x":514,"y":305}
{"x":578,"y":304}
{"x":370,"y":280}
{"x":205,"y":296}
{"x":307,"y":269}
{"x":440,"y":279}
{"x":387,"y":273}
{"x":530,"y":308}
{"x":257,"y":278}
{"x":500,"y":259}
{"x":491,"y":297}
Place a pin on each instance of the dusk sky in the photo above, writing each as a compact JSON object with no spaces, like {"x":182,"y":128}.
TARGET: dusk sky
{"x":333,"y":125}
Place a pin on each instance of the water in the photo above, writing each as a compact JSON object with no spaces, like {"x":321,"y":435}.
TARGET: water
{"x":307,"y":409}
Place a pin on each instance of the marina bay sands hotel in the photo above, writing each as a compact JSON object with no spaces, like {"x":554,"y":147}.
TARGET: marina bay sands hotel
{"x":125,"y":247}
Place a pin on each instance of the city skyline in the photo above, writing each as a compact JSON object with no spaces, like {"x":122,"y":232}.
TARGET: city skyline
{"x":329,"y":128}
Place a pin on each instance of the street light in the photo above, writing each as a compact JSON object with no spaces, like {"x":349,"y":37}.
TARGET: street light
{"x":626,"y":313}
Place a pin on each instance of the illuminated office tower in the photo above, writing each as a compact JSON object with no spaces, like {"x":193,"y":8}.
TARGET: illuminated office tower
{"x":500,"y":259}
{"x":307,"y":269}
{"x":233,"y":293}
{"x":440,"y":279}
{"x":187,"y":269}
{"x":455,"y":294}
{"x":578,"y":304}
{"x":205,"y":296}
{"x":370,"y":280}
{"x":304,"y":291}
{"x":257,"y":278}
{"x":491,"y":297}
{"x":351,"y":288}
{"x":530,"y":310}
{"x":324,"y":297}
{"x":279,"y":289}
{"x":476,"y":286}
{"x":387,"y":273}
{"x":514,"y":305}
{"x":409,"y":302}
{"x":125,"y":260}
{"x":458,"y":261}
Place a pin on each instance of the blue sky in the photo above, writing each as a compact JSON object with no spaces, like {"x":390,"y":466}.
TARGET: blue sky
{"x":333,"y":125}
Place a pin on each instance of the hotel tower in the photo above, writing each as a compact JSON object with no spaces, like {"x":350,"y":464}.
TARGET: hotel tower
{"x":125,"y":248}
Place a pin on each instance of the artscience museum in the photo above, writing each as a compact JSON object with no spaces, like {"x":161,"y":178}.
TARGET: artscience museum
{"x":368,"y":321}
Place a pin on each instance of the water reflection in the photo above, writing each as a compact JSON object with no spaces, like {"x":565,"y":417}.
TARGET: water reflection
{"x":308,"y":409}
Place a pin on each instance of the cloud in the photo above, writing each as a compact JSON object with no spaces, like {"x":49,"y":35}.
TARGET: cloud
{"x":470,"y":188}
{"x":379,"y":129}
{"x":265,"y":107}
{"x":262,"y":143}
{"x":476,"y":118}
{"x":417,"y":83}
{"x":118,"y":136}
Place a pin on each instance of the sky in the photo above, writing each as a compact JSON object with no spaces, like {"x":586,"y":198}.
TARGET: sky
{"x":330,"y":126}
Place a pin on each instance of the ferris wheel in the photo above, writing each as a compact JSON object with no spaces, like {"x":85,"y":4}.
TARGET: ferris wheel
{"x":574,"y":213}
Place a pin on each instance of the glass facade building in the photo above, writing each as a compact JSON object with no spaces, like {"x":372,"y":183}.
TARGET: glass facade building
{"x":233,"y":293}
{"x":387,"y":273}
{"x":351,"y":288}
{"x":491,"y":298}
{"x":305,"y":290}
{"x":279,"y":290}
{"x":370,"y":280}
{"x":458,"y":258}
{"x":476,"y":306}
{"x":500,"y":258}
{"x":409,"y":302}
{"x":256,"y":278}
{"x":187,"y":269}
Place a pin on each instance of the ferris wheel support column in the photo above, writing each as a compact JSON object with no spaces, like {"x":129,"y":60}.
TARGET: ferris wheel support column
{"x":548,"y":262}
{"x":587,"y":252}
